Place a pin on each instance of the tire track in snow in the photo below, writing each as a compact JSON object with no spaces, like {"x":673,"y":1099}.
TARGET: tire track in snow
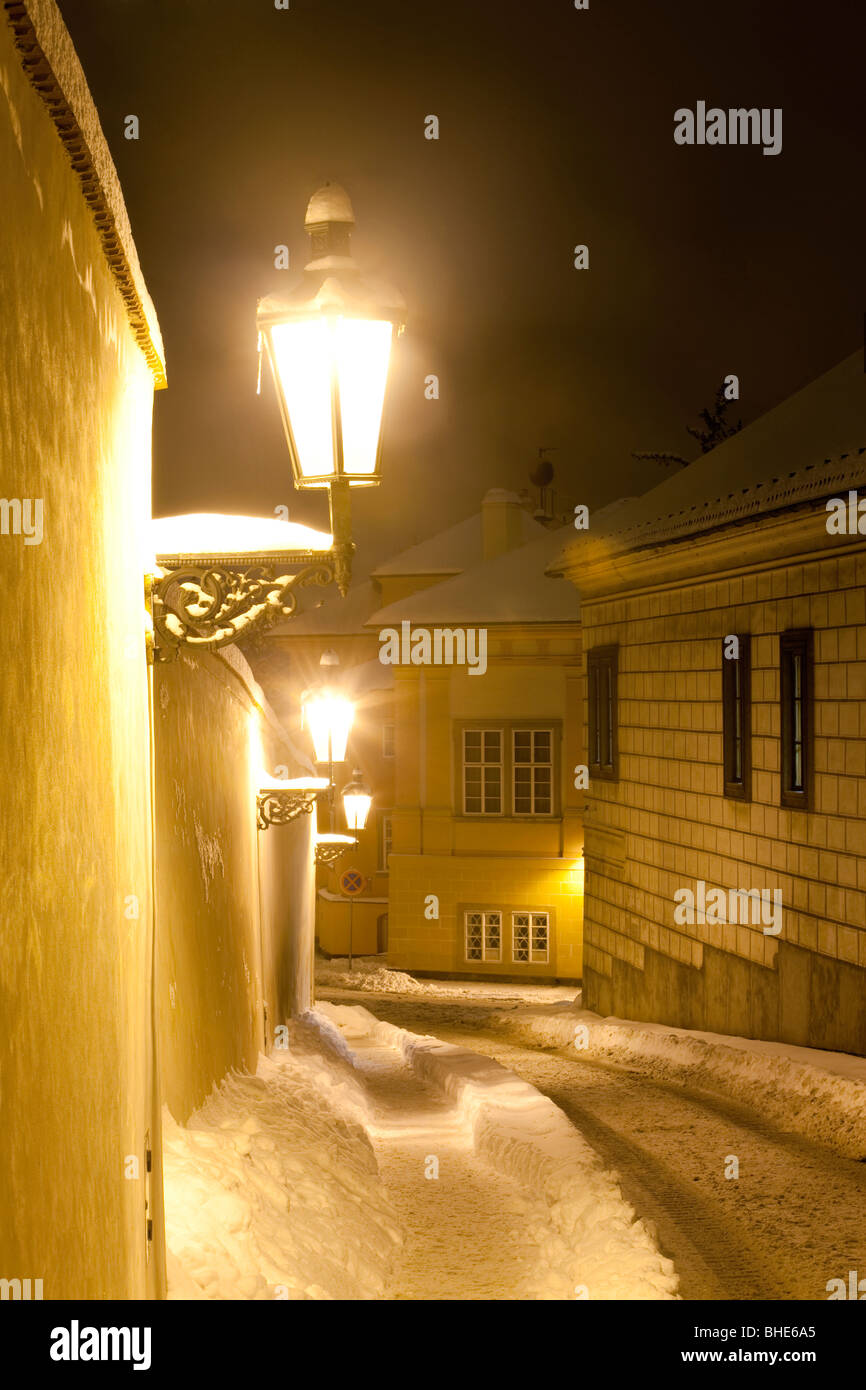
{"x":794,"y":1219}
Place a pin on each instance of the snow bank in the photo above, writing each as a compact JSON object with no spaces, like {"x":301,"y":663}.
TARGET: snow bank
{"x":607,"y":1252}
{"x":369,"y":974}
{"x":272,"y":1189}
{"x":821,"y":1095}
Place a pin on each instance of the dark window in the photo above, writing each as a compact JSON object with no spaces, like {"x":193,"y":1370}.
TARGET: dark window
{"x":795,"y":685}
{"x":737,"y":719}
{"x":601,"y":670}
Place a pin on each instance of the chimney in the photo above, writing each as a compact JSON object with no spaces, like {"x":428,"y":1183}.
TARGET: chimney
{"x":501,"y":522}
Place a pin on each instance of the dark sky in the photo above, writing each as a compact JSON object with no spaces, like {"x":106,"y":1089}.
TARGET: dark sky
{"x":556,"y":128}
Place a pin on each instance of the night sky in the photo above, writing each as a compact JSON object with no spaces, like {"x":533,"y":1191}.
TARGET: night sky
{"x":556,"y":128}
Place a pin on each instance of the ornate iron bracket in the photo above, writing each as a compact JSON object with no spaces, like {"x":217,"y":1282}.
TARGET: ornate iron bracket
{"x":208,"y":602}
{"x":281,"y":807}
{"x":328,"y":851}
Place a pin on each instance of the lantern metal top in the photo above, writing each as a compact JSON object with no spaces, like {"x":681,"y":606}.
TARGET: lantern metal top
{"x":332,"y":282}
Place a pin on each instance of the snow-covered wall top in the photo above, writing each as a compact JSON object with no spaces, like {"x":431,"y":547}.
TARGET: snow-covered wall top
{"x":51,"y":63}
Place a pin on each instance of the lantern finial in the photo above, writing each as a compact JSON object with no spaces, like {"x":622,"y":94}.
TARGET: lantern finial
{"x":329,"y":222}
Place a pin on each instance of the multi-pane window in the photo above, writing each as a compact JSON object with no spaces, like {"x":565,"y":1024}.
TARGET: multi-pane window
{"x":736,"y":716}
{"x":388,"y":740}
{"x":483,"y":936}
{"x":532,"y":755}
{"x":384,"y":842}
{"x":795,"y":688}
{"x":530,"y":937}
{"x":482,"y":772}
{"x":509,"y":771}
{"x":601,"y":673}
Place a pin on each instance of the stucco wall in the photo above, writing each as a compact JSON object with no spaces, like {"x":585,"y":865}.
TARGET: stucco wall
{"x":235,"y":904}
{"x":665,"y":823}
{"x":75,"y":897}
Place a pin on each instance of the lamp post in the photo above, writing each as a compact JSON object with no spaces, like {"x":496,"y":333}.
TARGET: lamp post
{"x":357,"y":799}
{"x":328,"y":343}
{"x":328,"y":714}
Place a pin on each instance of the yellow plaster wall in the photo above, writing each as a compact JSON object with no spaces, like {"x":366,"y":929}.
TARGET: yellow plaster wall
{"x":75,"y":895}
{"x":504,"y":882}
{"x":234,"y":903}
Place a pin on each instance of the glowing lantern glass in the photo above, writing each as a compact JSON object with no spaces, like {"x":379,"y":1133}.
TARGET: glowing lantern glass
{"x":357,"y":800}
{"x":329,"y":346}
{"x":328,"y":715}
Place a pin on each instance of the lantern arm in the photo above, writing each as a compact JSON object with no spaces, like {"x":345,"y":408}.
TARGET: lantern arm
{"x":211,"y":602}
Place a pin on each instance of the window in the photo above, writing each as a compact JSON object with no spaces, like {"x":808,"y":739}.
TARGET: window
{"x":509,"y":771}
{"x":388,"y":740}
{"x":384,"y":841}
{"x":532,"y":754}
{"x":482,"y":772}
{"x":737,"y":719}
{"x":601,"y":672}
{"x":530,"y":937}
{"x":483,"y":935}
{"x":795,"y":687}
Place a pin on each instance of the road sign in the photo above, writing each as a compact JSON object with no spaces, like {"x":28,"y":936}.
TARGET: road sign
{"x":352,"y":883}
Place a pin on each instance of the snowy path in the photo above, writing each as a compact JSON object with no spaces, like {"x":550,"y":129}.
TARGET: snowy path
{"x":469,"y":1234}
{"x":795,"y":1217}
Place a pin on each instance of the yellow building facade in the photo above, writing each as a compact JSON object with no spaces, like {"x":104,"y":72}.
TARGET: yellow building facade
{"x":438,"y":866}
{"x":499,"y":893}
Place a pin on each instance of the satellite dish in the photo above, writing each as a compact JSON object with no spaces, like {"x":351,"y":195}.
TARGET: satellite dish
{"x":542,"y":474}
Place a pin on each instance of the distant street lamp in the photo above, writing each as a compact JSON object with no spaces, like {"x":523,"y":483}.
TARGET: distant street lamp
{"x":329,"y":346}
{"x":328,"y":342}
{"x":357,"y":799}
{"x":328,"y":713}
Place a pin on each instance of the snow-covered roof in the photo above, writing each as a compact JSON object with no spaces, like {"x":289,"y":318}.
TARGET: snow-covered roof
{"x":812,"y":445}
{"x":367,"y":677}
{"x":510,"y":588}
{"x":452,"y":550}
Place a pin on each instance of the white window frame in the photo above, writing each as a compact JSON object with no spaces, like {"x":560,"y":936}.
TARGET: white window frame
{"x":532,"y":765}
{"x":389,"y":732}
{"x":480,"y":729}
{"x":386,"y":840}
{"x":537,"y":920}
{"x":483,"y":920}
